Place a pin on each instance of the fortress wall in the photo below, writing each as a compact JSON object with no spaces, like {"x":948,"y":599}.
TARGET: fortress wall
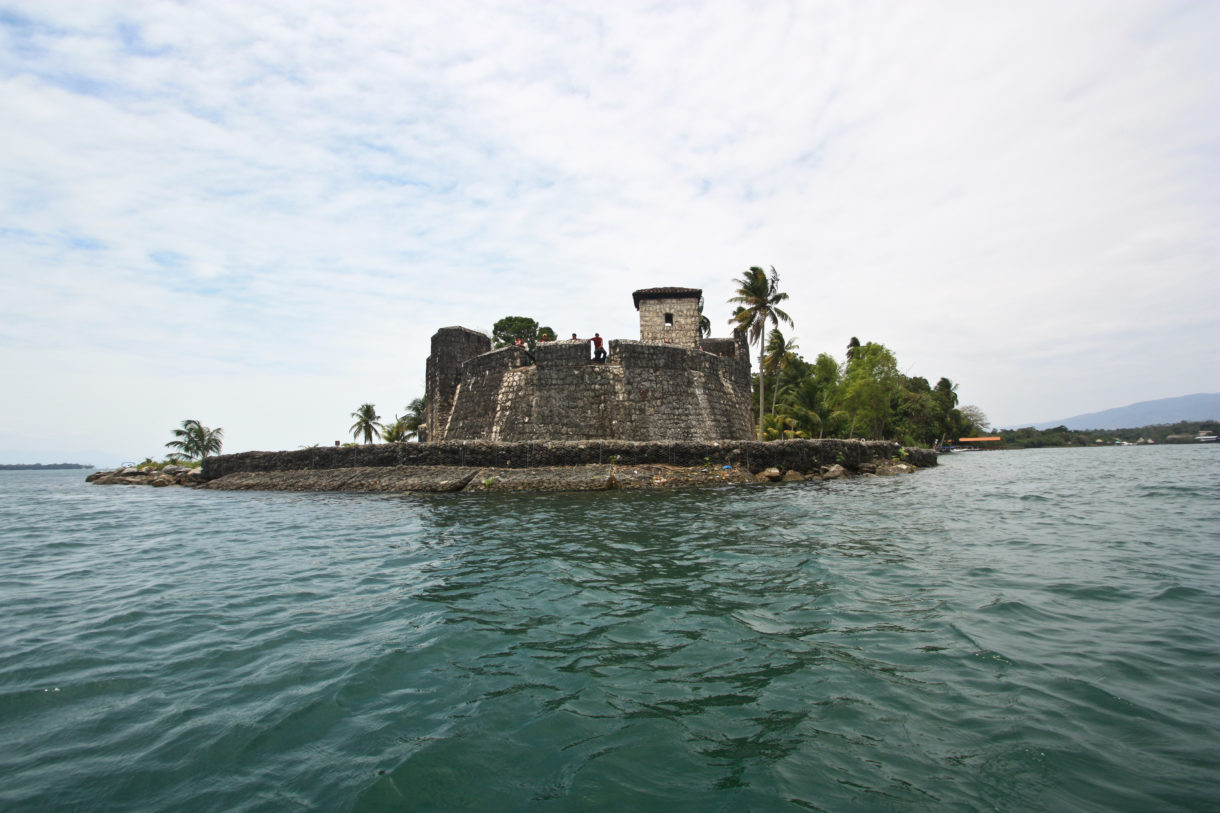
{"x":751,"y":456}
{"x":451,"y":346}
{"x":498,"y":360}
{"x":679,"y":394}
{"x":543,"y":401}
{"x":643,"y":392}
{"x":719,"y":347}
{"x":566,"y":353}
{"x":652,"y":356}
{"x":741,"y":371}
{"x":482,"y":379}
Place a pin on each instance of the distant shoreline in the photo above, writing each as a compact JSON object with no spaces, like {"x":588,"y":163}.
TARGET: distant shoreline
{"x":43,"y":466}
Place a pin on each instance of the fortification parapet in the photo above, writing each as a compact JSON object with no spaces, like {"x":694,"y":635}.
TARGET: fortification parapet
{"x":653,"y":356}
{"x":562,"y":354}
{"x":502,"y":358}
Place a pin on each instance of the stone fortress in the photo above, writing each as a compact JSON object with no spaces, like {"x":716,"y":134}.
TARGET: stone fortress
{"x":671,"y":385}
{"x":669,"y":410}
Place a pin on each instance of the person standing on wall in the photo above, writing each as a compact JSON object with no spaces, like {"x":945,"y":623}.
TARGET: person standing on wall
{"x":599,"y":352}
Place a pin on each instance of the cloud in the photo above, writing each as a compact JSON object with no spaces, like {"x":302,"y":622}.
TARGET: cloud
{"x":268,"y":208}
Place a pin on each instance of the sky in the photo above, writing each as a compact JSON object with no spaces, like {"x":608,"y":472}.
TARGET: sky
{"x":256,"y":214}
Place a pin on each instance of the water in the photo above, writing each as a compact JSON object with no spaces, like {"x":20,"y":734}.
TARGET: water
{"x":1034,"y":630}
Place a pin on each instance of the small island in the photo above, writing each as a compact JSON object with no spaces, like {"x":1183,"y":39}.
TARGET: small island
{"x":522,"y":411}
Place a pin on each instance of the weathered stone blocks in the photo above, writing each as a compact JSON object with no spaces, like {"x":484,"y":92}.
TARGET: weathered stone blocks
{"x":665,"y":387}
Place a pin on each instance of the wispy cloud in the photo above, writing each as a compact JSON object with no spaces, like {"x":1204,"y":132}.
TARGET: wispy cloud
{"x":260,"y":212}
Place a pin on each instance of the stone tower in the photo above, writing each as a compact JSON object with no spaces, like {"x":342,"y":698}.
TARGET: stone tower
{"x":451,"y":347}
{"x":669,"y":315}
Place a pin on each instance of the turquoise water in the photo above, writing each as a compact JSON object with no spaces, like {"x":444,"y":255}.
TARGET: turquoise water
{"x":1035,"y":630}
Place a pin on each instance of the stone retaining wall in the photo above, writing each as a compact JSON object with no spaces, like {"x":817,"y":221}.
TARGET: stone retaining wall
{"x":749,"y":456}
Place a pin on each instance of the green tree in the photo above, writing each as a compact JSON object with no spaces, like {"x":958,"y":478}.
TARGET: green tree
{"x":194,"y":440}
{"x":915,"y":422}
{"x":412,"y":424}
{"x":944,"y":395}
{"x":368,"y":423}
{"x":506,"y":332}
{"x":852,"y":345}
{"x":781,"y":353}
{"x":976,"y":419}
{"x":826,"y":373}
{"x":869,"y":387}
{"x":759,"y":296}
{"x":803,"y":406}
{"x":811,"y":398}
{"x":395,"y":432}
{"x":782,"y":427}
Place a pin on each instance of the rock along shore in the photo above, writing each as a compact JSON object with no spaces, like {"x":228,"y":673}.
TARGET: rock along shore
{"x":451,"y":466}
{"x":147,"y":476}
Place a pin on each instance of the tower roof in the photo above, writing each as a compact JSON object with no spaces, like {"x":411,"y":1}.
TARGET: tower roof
{"x":665,"y":293}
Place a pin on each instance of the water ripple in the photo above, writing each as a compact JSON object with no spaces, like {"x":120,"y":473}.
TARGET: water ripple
{"x":1009,"y":631}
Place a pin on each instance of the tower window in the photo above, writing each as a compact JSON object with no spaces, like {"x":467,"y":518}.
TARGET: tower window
{"x":669,"y":320}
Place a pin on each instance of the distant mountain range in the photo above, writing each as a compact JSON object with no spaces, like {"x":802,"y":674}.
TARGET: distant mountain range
{"x":1203,"y":406}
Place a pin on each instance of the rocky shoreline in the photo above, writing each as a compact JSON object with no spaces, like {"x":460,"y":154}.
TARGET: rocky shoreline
{"x":147,"y":476}
{"x":480,"y":466}
{"x":439,"y":479}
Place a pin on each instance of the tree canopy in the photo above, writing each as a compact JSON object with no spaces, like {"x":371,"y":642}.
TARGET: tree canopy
{"x":368,"y":423}
{"x":194,"y":440}
{"x":865,"y":395}
{"x":758,"y":297}
{"x":409,"y":426}
{"x":506,"y":332}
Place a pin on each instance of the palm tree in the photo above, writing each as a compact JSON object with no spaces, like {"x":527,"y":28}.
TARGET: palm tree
{"x":805,"y":404}
{"x":705,"y":324}
{"x":780,"y":352}
{"x":782,"y":427}
{"x":851,"y":348}
{"x":416,"y":418}
{"x":367,"y":423}
{"x":395,"y":432}
{"x":196,"y":440}
{"x":410,"y":426}
{"x":946,"y":399}
{"x":759,"y":297}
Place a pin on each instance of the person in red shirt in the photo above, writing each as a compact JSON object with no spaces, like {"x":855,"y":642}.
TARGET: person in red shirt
{"x":599,"y":352}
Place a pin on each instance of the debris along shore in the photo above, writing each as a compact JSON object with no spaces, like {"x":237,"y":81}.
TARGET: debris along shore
{"x":554,"y":466}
